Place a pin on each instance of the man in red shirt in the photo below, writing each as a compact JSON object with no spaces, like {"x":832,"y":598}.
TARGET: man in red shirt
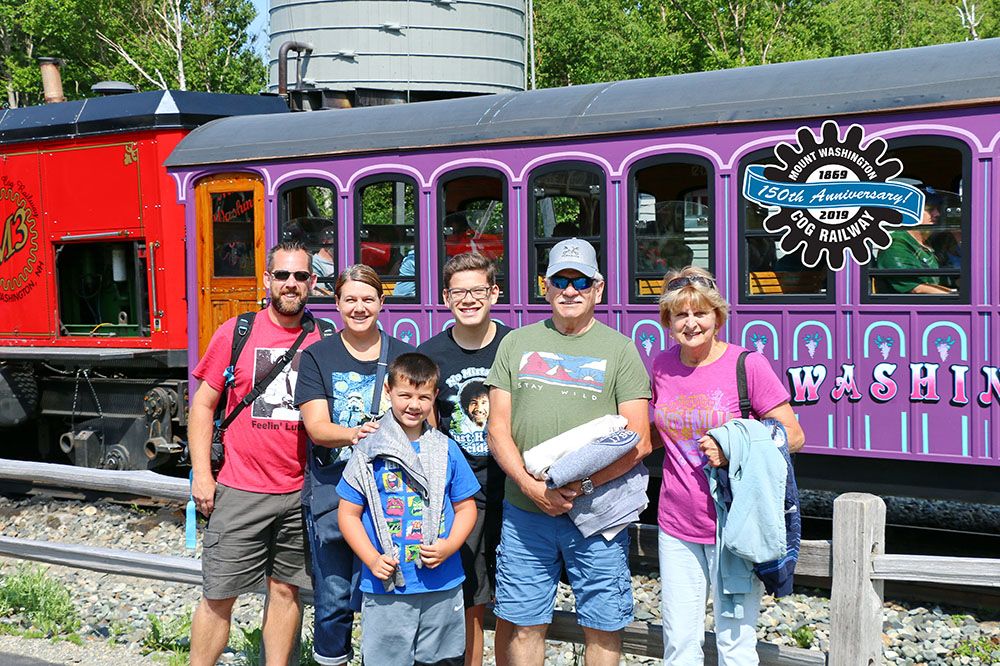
{"x":255,"y":529}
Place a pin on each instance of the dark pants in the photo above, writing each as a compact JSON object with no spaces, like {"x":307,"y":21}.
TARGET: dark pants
{"x":335,"y":574}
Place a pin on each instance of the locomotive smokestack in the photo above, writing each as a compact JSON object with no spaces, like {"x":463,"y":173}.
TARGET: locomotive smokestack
{"x":51,"y":80}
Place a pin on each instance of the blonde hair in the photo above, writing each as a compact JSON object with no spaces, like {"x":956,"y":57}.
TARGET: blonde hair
{"x":692,"y":295}
{"x":359,"y":273}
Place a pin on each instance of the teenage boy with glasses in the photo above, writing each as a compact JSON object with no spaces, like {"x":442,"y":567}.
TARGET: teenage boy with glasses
{"x":465,"y":352}
{"x":547,"y":378}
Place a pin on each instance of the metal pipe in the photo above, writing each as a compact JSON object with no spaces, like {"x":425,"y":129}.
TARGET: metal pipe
{"x":100,"y":234}
{"x":157,"y":312}
{"x":51,"y":79}
{"x":298,"y":47}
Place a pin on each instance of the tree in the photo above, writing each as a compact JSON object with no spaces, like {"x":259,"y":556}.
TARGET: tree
{"x":586,"y":41}
{"x":176,"y":44}
{"x":187,"y":45}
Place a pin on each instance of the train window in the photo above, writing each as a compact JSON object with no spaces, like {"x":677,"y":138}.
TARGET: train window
{"x":567,"y":201}
{"x":767,"y":273}
{"x":472,"y":216}
{"x":671,"y":220}
{"x":927,"y":260}
{"x":233,"y":234}
{"x":103,"y":289}
{"x":386,"y":219}
{"x":307,"y":212}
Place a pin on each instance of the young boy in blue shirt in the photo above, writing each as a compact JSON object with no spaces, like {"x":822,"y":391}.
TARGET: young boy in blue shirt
{"x":406,"y":507}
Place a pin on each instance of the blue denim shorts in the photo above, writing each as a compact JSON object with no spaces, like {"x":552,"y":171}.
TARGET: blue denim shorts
{"x":533,"y":549}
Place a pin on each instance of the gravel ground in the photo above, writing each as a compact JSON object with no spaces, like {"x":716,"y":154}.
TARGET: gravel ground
{"x":116,"y":610}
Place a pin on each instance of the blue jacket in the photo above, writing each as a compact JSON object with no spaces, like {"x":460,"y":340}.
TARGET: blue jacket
{"x":777,"y":575}
{"x":749,"y":500}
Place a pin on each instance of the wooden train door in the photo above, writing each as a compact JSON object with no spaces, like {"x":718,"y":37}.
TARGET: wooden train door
{"x":230,"y":244}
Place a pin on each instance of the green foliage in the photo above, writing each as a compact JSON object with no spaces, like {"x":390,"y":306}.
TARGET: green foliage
{"x":380,"y":203}
{"x":587,"y":41}
{"x":168,"y":44}
{"x":804,"y":636}
{"x":984,"y":648}
{"x":172,"y":636}
{"x":249,"y":645}
{"x":41,"y":602}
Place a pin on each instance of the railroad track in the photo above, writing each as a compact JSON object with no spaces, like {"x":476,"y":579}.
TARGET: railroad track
{"x":900,"y":539}
{"x":28,"y":489}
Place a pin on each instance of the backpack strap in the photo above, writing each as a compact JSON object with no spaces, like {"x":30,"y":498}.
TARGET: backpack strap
{"x":741,"y":384}
{"x":241,"y":333}
{"x":383,"y":363}
{"x":326,"y":328}
{"x":308,"y":325}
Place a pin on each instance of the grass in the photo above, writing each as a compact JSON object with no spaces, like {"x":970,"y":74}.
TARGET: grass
{"x":173,"y":636}
{"x":982,"y":648}
{"x":248,"y":644}
{"x":804,"y":637}
{"x":42,"y":604}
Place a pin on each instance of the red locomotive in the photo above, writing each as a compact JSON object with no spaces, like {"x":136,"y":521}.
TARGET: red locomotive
{"x":93,"y":309}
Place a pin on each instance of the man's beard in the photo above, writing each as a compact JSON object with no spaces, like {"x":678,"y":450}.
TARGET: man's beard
{"x":285,"y":308}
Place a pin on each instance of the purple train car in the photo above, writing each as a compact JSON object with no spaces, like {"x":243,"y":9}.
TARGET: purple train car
{"x":860,"y":257}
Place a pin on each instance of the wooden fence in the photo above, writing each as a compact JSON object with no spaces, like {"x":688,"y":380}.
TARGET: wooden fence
{"x":855,"y":560}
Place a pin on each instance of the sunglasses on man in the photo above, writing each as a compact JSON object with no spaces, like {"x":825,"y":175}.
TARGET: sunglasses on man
{"x":581,"y":283}
{"x":678,"y":283}
{"x":300,"y":276}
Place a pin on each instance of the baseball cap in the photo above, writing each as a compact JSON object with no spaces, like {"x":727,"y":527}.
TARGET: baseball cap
{"x":575,"y":254}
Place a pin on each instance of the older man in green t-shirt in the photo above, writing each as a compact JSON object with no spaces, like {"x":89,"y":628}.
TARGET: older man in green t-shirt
{"x":547,"y":378}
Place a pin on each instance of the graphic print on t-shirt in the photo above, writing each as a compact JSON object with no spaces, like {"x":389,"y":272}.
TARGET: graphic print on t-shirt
{"x":572,"y":372}
{"x":470,"y":410}
{"x":394,"y":506}
{"x":277,"y":402}
{"x":686,"y":418}
{"x":352,"y":397}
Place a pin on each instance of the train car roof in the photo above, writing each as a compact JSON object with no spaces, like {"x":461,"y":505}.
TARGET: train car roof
{"x":162,"y":109}
{"x":911,"y":78}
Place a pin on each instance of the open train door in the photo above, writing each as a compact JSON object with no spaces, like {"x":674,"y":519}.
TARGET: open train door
{"x":230,"y":210}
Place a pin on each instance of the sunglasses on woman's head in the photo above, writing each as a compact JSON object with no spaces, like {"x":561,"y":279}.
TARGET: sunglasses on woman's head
{"x":679,"y":282}
{"x":300,"y":276}
{"x":582,"y":283}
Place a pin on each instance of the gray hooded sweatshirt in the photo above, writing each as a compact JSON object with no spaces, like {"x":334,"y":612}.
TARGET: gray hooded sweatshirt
{"x":426,"y":472}
{"x":612,"y":504}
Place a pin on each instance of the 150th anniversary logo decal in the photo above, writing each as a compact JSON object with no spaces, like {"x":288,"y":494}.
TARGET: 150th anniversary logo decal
{"x":832,"y":196}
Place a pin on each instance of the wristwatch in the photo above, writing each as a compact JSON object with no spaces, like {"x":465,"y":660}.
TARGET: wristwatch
{"x":587,"y":486}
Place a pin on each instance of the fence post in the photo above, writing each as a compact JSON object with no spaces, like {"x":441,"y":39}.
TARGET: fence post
{"x":855,"y":599}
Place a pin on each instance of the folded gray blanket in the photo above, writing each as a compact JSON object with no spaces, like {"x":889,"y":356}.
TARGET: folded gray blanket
{"x":612,"y":504}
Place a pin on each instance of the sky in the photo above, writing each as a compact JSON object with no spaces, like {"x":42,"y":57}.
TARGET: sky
{"x":259,"y":26}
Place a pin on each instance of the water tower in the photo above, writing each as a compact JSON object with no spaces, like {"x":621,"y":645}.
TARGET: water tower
{"x":366,"y":52}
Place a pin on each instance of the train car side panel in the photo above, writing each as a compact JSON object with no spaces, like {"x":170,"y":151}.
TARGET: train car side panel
{"x":25,"y":259}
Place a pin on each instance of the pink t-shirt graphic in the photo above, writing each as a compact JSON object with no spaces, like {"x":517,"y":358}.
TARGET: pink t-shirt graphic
{"x":687,"y":403}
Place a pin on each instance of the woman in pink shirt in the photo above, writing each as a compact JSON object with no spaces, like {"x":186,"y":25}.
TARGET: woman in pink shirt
{"x":694,"y":390}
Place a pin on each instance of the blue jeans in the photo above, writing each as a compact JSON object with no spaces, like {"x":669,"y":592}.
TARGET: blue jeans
{"x":335,"y":575}
{"x":686,"y":572}
{"x":533,"y":549}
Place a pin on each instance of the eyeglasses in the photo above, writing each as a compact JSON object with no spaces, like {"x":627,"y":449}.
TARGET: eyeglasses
{"x":581,"y":283}
{"x":679,"y":282}
{"x":480,"y":293}
{"x":300,"y":276}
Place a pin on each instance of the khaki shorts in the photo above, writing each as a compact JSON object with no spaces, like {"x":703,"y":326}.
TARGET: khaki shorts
{"x":251,"y":536}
